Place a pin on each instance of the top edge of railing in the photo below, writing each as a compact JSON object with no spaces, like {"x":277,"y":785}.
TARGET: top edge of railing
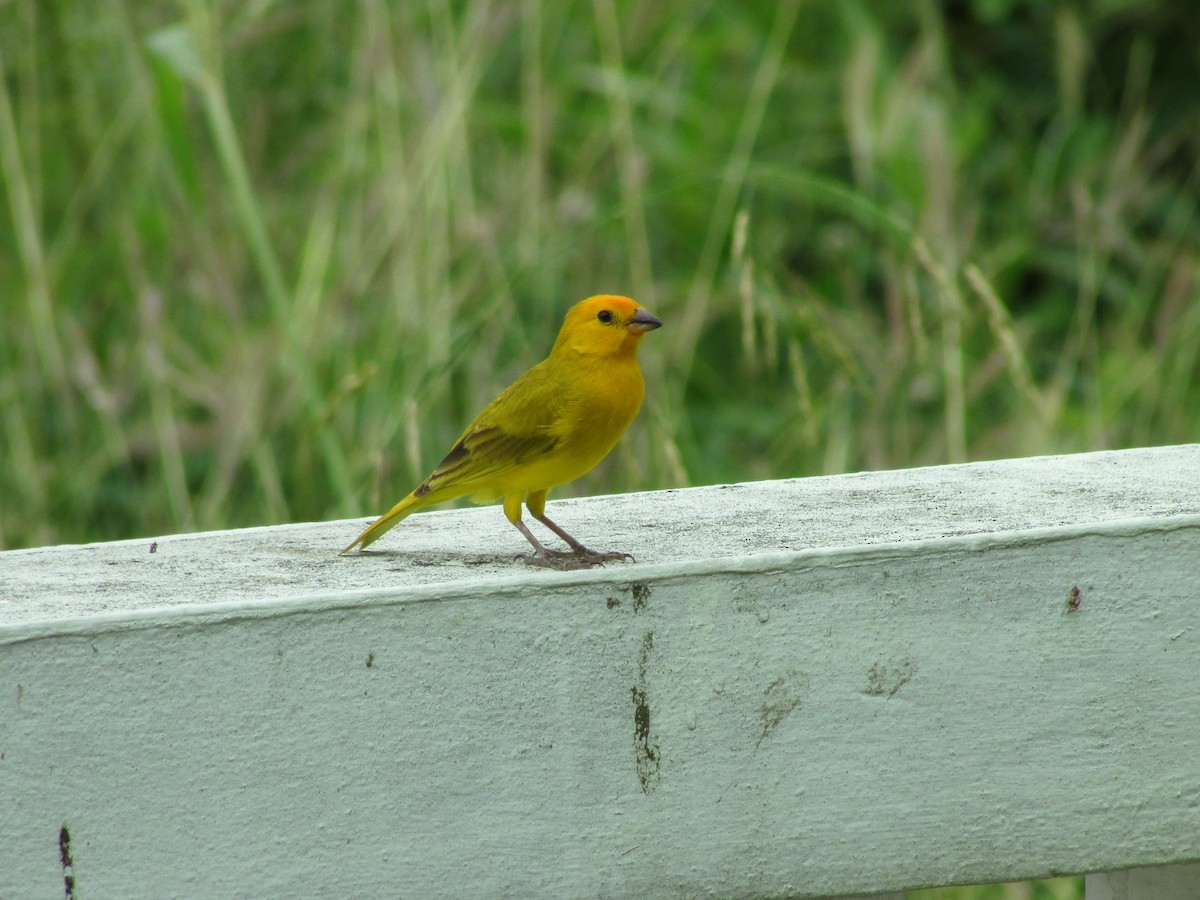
{"x":750,"y":526}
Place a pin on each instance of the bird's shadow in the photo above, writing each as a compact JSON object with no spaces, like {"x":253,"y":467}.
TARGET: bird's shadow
{"x":409,"y":559}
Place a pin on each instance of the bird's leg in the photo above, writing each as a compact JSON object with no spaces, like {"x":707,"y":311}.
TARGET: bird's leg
{"x":578,"y":550}
{"x":540,"y":556}
{"x":579,"y":557}
{"x":551,"y":559}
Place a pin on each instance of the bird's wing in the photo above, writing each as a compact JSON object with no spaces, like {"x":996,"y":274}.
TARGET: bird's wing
{"x":519,"y":427}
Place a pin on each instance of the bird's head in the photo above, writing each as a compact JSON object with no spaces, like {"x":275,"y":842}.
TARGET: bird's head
{"x":605,"y":325}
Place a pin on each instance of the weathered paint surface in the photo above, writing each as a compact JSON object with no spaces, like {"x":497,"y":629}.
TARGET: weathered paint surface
{"x":824,"y":686}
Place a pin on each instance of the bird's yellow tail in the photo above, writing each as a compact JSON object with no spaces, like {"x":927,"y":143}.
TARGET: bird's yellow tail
{"x":384,"y":523}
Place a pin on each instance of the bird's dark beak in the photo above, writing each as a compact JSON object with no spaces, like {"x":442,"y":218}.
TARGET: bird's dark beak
{"x":642,"y":322}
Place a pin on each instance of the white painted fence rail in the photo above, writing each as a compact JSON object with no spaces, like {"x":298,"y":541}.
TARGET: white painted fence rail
{"x":826,"y":686}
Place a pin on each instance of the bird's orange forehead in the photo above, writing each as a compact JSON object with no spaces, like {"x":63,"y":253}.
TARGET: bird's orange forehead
{"x":618,"y":304}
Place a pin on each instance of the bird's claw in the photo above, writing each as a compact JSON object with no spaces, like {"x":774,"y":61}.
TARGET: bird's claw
{"x":611,"y":556}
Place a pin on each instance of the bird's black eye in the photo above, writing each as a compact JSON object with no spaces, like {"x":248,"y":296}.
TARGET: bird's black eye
{"x":605,"y":316}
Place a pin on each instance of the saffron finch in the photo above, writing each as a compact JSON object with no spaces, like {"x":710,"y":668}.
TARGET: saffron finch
{"x":547,"y":428}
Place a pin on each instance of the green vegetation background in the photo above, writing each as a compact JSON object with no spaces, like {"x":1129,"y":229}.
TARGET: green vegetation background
{"x":260,"y":262}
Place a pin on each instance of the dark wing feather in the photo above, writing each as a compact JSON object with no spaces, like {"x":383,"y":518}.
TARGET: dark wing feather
{"x":517,"y":428}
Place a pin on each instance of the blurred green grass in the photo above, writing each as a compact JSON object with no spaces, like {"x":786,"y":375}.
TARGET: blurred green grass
{"x":260,"y":262}
{"x":1050,"y":889}
{"x":265,"y":260}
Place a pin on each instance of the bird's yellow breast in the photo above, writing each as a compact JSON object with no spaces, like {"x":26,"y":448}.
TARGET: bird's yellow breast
{"x":597,"y":409}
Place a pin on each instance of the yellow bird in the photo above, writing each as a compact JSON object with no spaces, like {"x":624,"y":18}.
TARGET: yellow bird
{"x":548,"y":427}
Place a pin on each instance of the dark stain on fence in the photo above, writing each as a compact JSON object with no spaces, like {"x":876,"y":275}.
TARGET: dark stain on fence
{"x":646,"y":750}
{"x":68,"y":865}
{"x":781,"y":698}
{"x":884,"y":679}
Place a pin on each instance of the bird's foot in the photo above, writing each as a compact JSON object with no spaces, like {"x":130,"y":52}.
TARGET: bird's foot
{"x":599,"y":559}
